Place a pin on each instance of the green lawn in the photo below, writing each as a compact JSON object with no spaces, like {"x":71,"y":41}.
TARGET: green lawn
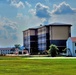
{"x":23,"y":66}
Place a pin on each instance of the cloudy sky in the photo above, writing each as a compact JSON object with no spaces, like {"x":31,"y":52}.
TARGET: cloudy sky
{"x":18,"y":15}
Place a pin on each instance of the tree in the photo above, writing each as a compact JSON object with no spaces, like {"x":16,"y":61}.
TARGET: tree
{"x":53,"y":50}
{"x":17,"y":46}
{"x":12,"y":50}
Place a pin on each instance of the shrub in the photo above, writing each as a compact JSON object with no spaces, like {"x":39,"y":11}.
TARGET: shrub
{"x":53,"y":50}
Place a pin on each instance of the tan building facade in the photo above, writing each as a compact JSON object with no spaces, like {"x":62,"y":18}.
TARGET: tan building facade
{"x":59,"y":32}
{"x":59,"y":35}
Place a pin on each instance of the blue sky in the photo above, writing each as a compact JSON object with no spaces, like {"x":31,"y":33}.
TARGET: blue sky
{"x":18,"y":15}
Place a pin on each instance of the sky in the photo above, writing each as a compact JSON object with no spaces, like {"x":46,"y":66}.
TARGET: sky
{"x":19,"y":15}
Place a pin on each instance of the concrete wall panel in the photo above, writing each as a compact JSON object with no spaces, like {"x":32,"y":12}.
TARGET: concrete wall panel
{"x":59,"y":32}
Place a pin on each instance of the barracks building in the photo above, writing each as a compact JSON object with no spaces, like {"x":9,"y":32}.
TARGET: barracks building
{"x":39,"y":39}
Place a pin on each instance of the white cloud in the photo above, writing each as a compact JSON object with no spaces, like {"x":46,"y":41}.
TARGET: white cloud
{"x":8,"y":32}
{"x":27,"y":4}
{"x":27,"y":21}
{"x":17,"y":4}
{"x":42,"y":11}
{"x":48,"y":2}
{"x":19,"y":15}
{"x":8,"y":29}
{"x":32,"y":11}
{"x":63,"y":8}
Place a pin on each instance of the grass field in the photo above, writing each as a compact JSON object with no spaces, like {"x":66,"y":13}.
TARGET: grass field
{"x":23,"y":66}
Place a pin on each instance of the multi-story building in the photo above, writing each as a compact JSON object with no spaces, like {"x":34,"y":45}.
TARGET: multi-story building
{"x":44,"y":36}
{"x":59,"y":34}
{"x":30,"y":40}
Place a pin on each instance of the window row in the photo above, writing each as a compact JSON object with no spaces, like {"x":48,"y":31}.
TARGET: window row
{"x":42,"y":35}
{"x":41,"y":48}
{"x":42,"y":30}
{"x":27,"y":45}
{"x":5,"y":51}
{"x":27,"y":37}
{"x":27,"y":42}
{"x":43,"y":40}
{"x":42,"y":43}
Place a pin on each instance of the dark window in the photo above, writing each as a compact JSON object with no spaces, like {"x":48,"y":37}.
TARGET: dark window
{"x":75,"y":44}
{"x":75,"y":51}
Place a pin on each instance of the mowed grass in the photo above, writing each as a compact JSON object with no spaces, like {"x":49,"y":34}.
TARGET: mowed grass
{"x":23,"y":66}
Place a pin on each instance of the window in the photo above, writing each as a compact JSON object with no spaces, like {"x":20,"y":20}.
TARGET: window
{"x":75,"y":51}
{"x":75,"y":44}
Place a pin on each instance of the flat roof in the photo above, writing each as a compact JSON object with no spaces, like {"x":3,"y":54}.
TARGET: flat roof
{"x":52,"y":24}
{"x":30,"y":29}
{"x":5,"y":48}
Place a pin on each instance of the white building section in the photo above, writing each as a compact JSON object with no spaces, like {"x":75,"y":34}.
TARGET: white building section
{"x":71,"y":46}
{"x":5,"y":51}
